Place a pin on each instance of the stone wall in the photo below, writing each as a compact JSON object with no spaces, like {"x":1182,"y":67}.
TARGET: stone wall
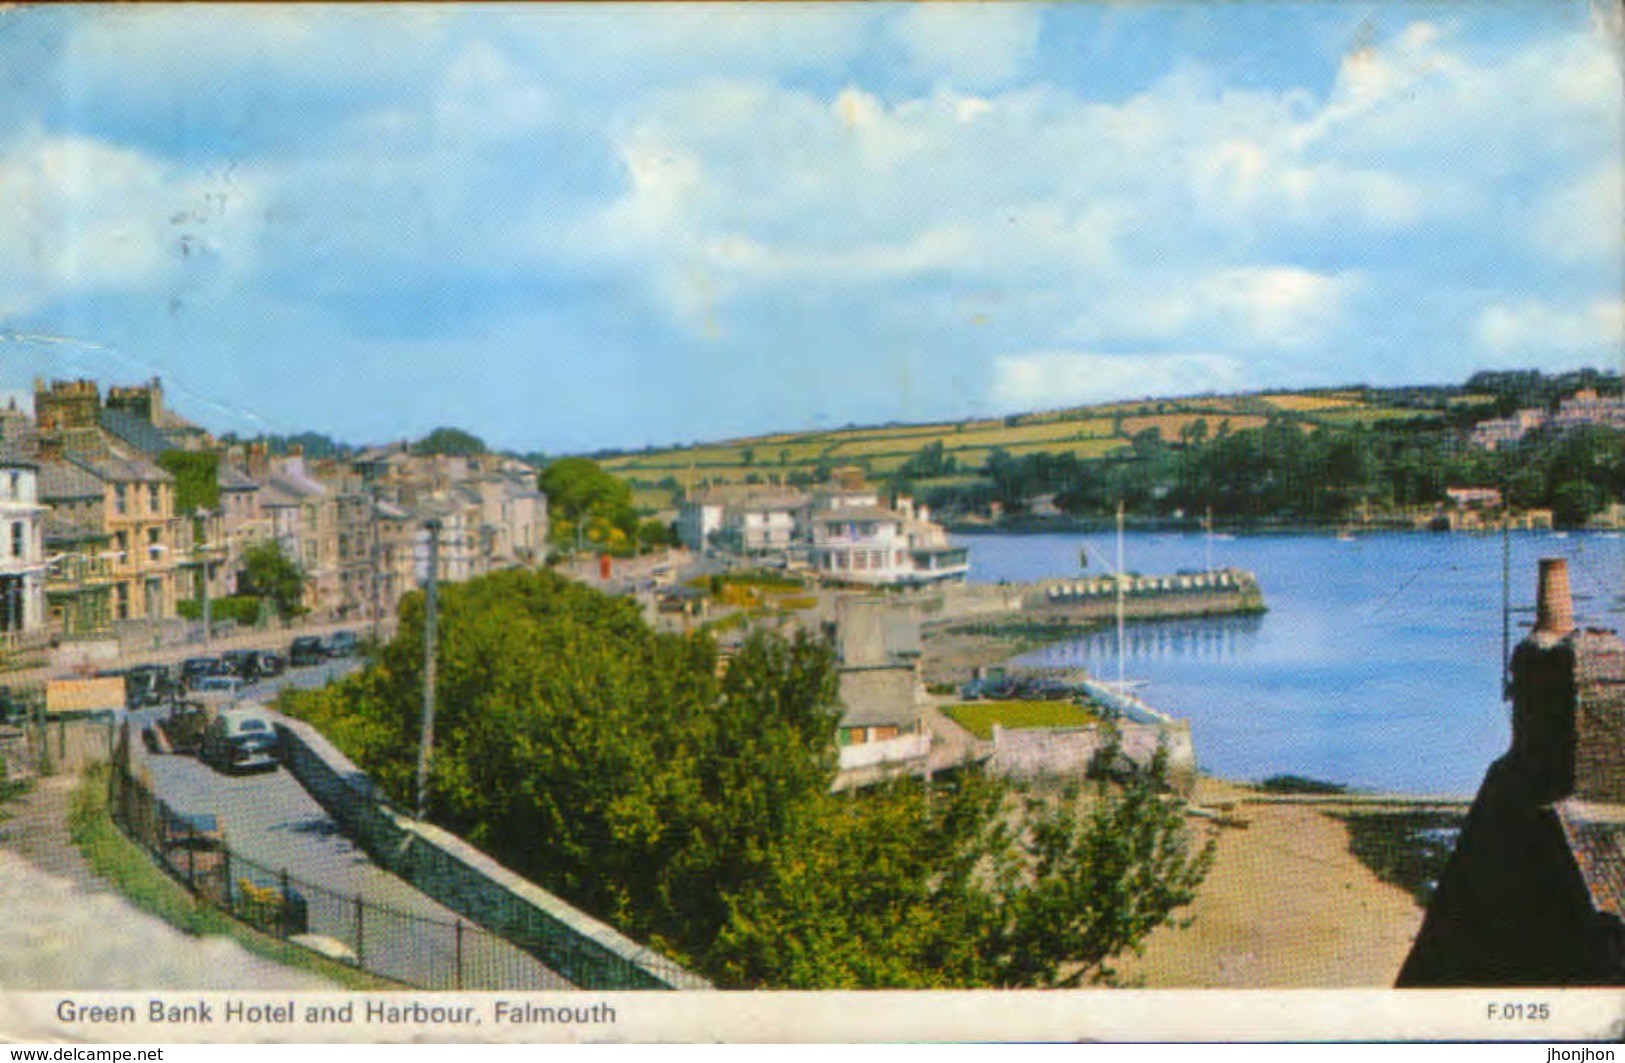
{"x":1031,"y":753}
{"x":589,"y":953}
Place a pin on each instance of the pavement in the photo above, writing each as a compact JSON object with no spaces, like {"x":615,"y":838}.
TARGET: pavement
{"x":66,"y":928}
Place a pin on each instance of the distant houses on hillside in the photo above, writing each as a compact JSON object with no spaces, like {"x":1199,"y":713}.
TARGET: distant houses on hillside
{"x":1585,"y":407}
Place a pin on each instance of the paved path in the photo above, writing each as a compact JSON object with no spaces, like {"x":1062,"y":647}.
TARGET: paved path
{"x":271,"y":821}
{"x":65,"y":928}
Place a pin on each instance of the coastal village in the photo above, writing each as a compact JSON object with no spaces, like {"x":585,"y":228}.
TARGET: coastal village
{"x":121,"y":561}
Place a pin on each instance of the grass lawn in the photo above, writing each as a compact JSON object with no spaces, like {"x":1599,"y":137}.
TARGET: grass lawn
{"x":132,"y":872}
{"x":980,"y":716}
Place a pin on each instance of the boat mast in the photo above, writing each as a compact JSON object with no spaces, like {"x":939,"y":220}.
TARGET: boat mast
{"x":1210,"y":538}
{"x":1506,"y":600}
{"x":1121,"y":681}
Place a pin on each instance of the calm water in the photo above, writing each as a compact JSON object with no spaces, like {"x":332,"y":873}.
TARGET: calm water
{"x":1377,"y":665}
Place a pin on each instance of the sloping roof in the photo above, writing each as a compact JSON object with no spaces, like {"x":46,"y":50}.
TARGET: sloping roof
{"x":122,"y":470}
{"x":232,"y":478}
{"x":879,"y":697}
{"x":61,"y":480}
{"x":1596,"y":836}
{"x":132,"y":430}
{"x":14,"y":454}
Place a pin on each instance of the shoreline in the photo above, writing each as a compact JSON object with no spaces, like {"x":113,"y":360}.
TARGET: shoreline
{"x":1106,"y":525}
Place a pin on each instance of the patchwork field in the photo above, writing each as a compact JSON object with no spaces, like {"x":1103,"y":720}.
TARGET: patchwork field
{"x":1088,"y":432}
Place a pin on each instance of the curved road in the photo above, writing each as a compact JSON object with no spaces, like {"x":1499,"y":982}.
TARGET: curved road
{"x":270,"y":820}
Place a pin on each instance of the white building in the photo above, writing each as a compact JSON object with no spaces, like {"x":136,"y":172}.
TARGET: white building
{"x":763,"y":524}
{"x":698,"y":522}
{"x":22,"y":548}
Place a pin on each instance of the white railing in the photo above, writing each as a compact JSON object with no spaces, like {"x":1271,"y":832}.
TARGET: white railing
{"x":885,"y":751}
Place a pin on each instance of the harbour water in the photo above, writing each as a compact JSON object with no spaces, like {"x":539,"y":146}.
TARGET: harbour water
{"x":1376,"y":666}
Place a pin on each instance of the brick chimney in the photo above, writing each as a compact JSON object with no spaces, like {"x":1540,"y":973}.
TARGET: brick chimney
{"x":1554,"y":605}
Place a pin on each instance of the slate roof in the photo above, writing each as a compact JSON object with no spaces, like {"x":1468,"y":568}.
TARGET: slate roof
{"x":61,"y":480}
{"x":879,"y":697}
{"x":232,"y":478}
{"x":1596,"y":837}
{"x":122,"y":470}
{"x":133,"y":431}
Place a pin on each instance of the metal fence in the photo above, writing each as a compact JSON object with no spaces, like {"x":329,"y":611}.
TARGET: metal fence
{"x":405,"y":947}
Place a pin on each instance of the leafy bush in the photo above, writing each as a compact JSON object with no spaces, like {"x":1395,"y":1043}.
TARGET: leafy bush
{"x":242,"y":608}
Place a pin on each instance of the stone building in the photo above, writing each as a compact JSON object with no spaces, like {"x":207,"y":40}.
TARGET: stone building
{"x":148,"y":541}
{"x":79,"y":581}
{"x":1534,"y":893}
{"x":22,"y":549}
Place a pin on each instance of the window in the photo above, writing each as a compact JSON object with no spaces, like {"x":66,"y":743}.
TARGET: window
{"x":18,"y":534}
{"x":152,"y":498}
{"x":152,"y":543}
{"x":118,"y":499}
{"x":16,"y":485}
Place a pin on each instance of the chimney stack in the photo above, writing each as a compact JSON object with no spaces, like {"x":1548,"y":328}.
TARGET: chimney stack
{"x":1554,"y":607}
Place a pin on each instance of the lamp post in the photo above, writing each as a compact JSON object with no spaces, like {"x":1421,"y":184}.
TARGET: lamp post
{"x":426,"y":740}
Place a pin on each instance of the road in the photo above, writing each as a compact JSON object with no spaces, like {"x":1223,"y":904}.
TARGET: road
{"x":271,"y":821}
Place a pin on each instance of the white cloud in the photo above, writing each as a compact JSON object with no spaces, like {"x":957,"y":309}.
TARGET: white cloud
{"x":1584,"y":220}
{"x":1271,"y":307}
{"x":1047,"y":379}
{"x":968,"y":44}
{"x":1538,"y":328}
{"x":78,"y":216}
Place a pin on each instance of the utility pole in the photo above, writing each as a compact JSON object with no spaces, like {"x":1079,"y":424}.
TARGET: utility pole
{"x":426,"y":741}
{"x":202,"y":550}
{"x":377,"y":564}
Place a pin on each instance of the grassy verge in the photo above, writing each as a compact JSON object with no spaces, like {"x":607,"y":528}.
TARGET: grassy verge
{"x":980,"y":716}
{"x":129,"y":870}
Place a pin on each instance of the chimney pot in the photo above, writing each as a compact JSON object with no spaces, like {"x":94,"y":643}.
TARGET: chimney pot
{"x":1554,"y":608}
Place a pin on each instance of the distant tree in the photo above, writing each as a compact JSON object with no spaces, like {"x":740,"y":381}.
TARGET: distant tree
{"x":268,"y":572}
{"x":449,"y":442}
{"x":587,"y":504}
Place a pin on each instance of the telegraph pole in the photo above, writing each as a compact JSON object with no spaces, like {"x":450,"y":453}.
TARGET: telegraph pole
{"x":426,"y":742}
{"x":377,"y":562}
{"x":203,"y":570}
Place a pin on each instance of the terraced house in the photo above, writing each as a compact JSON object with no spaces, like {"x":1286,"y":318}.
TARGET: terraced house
{"x":22,"y":550}
{"x":149,"y":543}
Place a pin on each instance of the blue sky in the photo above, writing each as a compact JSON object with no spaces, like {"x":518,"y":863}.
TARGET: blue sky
{"x":565,"y":228}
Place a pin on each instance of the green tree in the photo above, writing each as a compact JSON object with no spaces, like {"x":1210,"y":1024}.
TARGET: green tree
{"x":610,"y":764}
{"x":268,"y":572}
{"x":451,"y":442}
{"x":586,"y":504}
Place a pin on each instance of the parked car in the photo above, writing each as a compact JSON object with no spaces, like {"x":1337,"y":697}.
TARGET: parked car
{"x":240,"y":739}
{"x":270,"y":663}
{"x":230,"y":685}
{"x":181,"y":731}
{"x":148,"y":684}
{"x":240,"y":663}
{"x":342,"y":644}
{"x":196,"y":668}
{"x":307,"y":649}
